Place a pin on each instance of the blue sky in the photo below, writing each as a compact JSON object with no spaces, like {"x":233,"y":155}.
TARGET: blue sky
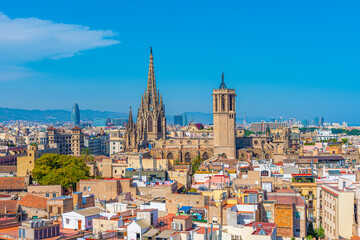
{"x":289,"y":58}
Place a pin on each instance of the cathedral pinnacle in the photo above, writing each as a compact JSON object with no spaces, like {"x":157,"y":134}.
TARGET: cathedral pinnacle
{"x":130,"y":122}
{"x":222,"y":85}
{"x":151,"y":85}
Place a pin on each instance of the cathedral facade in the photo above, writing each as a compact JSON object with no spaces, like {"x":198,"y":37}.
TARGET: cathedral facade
{"x":151,"y":121}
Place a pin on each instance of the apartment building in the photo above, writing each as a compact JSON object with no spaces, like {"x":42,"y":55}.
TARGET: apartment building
{"x":309,"y":191}
{"x":116,"y":141}
{"x":337,"y":207}
{"x":68,"y":142}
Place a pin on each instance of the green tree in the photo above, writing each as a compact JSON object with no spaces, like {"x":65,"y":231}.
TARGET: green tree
{"x":310,"y":230}
{"x":65,"y":170}
{"x":193,"y":190}
{"x":247,"y":133}
{"x":320,"y":232}
{"x":86,"y":154}
{"x":196,"y":164}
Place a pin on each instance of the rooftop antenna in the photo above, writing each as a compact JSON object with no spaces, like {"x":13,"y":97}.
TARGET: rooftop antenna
{"x":140,"y":160}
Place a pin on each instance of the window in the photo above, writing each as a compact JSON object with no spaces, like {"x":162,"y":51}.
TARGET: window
{"x":67,"y":221}
{"x":89,"y":222}
{"x":47,"y":194}
{"x":268,"y":214}
{"x":84,"y":189}
{"x":297,"y":215}
{"x":54,"y":194}
{"x":89,"y":189}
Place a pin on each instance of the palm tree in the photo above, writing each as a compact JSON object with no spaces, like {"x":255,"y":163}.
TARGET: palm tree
{"x":88,"y":157}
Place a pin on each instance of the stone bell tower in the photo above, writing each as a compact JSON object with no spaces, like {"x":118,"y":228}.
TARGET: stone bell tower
{"x":224,"y":115}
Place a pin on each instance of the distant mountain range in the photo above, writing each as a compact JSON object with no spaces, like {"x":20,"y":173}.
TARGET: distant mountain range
{"x":46,"y":116}
{"x":8,"y":114}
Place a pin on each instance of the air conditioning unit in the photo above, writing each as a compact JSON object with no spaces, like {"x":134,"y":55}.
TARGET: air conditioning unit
{"x":173,"y":225}
{"x":179,"y":227}
{"x":176,"y":226}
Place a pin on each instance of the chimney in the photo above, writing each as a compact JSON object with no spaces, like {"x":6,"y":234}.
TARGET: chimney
{"x":77,"y":200}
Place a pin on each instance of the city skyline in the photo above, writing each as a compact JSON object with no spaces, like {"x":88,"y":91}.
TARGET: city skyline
{"x":255,"y":55}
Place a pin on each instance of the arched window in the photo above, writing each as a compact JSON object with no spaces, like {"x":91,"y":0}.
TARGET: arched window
{"x":216,"y":103}
{"x":224,"y":155}
{"x":231,"y":102}
{"x":170,"y":156}
{"x":187,"y":157}
{"x":159,"y":125}
{"x":205,"y":156}
{"x":150,"y":125}
{"x":222,"y":103}
{"x":188,"y":142}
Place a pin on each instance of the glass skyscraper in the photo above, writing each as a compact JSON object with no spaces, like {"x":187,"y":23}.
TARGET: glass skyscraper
{"x":75,"y":115}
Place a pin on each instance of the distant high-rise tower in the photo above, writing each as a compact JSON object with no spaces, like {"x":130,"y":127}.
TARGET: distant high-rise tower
{"x":178,"y":120}
{"x":75,"y":115}
{"x":224,"y":114}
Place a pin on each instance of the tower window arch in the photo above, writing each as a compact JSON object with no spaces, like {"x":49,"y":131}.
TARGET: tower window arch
{"x":216,"y":103}
{"x":159,"y":125}
{"x":150,"y":125}
{"x":222,"y":103}
{"x":187,"y":157}
{"x":170,"y":156}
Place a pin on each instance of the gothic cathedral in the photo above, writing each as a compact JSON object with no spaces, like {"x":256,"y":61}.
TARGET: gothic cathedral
{"x":151,"y":120}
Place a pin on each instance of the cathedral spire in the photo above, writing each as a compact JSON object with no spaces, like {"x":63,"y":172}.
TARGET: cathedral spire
{"x":222,"y":85}
{"x":130,"y":122}
{"x":151,"y":85}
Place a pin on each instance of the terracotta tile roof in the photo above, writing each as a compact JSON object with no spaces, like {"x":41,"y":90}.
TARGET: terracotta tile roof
{"x":297,"y":200}
{"x":262,"y":228}
{"x":148,"y":210}
{"x":76,"y":128}
{"x":12,"y":183}
{"x":202,"y":230}
{"x":182,"y":217}
{"x":33,"y":201}
{"x":9,"y":205}
{"x":8,"y":168}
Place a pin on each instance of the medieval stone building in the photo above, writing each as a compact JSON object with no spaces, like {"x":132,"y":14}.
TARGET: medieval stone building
{"x":148,"y":133}
{"x":224,"y":120}
{"x":151,"y":121}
